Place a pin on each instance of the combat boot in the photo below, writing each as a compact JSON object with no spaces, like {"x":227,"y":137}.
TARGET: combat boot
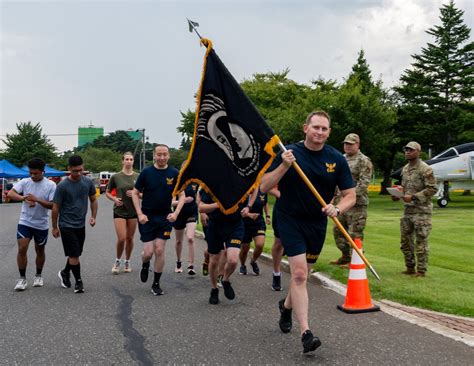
{"x":343,"y":261}
{"x":409,"y":271}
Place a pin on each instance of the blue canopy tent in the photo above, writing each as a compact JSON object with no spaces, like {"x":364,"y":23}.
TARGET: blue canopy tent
{"x":48,"y":171}
{"x":8,"y":170}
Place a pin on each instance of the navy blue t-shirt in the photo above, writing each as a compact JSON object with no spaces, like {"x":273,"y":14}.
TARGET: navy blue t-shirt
{"x":191,"y":207}
{"x":217,"y":214}
{"x":259,"y":203}
{"x":326,"y":169}
{"x":157,"y":186}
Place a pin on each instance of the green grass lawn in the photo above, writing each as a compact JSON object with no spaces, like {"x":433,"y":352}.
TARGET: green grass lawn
{"x":449,"y":284}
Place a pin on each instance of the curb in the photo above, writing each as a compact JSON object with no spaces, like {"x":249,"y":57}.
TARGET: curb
{"x":394,"y":309}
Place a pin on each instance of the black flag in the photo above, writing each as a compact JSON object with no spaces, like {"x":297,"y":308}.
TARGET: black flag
{"x":232,"y":144}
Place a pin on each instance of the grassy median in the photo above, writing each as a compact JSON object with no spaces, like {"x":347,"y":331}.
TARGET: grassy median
{"x":448,"y":286}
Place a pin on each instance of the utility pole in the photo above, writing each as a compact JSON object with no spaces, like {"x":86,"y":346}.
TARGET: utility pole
{"x":143,"y":150}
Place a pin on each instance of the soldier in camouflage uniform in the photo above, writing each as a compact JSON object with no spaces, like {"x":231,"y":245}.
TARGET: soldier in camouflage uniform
{"x":354,"y":219}
{"x":419,"y":186}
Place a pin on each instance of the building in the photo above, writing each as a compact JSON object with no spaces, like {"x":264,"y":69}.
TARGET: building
{"x":88,"y":134}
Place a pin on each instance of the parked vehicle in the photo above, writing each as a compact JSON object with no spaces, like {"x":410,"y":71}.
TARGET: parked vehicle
{"x":104,"y":178}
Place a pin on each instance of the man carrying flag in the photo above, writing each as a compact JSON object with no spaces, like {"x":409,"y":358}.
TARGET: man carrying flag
{"x":300,"y":219}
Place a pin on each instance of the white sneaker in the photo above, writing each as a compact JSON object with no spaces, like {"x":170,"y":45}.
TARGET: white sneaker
{"x":21,"y":285}
{"x":127,"y":268}
{"x":116,"y":267}
{"x":38,"y":281}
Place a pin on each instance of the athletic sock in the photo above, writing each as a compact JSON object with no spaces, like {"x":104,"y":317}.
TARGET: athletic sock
{"x":68,"y":267}
{"x":157,"y":277}
{"x":22,"y":272}
{"x":76,"y":271}
{"x":39,"y":271}
{"x":277,"y":273}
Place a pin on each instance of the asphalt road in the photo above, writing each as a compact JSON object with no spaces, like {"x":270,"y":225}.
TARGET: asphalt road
{"x":117,"y":321}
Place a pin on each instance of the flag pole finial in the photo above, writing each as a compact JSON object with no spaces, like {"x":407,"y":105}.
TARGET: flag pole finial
{"x":192,"y":26}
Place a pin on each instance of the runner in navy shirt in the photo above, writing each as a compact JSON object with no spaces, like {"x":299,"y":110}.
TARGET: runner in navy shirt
{"x":223,"y":235}
{"x":156,"y":183}
{"x":300,"y":219}
{"x":186,"y":221}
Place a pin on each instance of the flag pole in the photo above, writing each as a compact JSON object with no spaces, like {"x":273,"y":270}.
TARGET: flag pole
{"x":193,"y":27}
{"x":335,"y":219}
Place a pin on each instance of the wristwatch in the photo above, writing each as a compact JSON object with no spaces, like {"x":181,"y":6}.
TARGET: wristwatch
{"x":337,"y":210}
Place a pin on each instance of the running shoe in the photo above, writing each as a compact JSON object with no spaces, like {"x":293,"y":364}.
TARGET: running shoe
{"x":310,"y":342}
{"x":156,"y":289}
{"x":79,"y":287}
{"x":243,"y":270}
{"x":255,"y":268}
{"x":205,"y":269}
{"x":38,"y":281}
{"x":285,"y":321}
{"x":178,"y":268}
{"x":228,"y":290}
{"x":21,"y":284}
{"x":127,"y":267}
{"x":116,"y":267}
{"x":191,"y":270}
{"x":214,"y":298}
{"x":276,"y":284}
{"x":144,"y":271}
{"x":65,"y":279}
{"x":219,"y":280}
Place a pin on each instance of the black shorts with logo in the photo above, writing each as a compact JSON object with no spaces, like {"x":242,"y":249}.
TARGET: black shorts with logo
{"x":253,"y":228}
{"x":222,"y":235}
{"x":157,"y":227}
{"x":182,"y":220}
{"x":73,"y":240}
{"x":301,"y":236}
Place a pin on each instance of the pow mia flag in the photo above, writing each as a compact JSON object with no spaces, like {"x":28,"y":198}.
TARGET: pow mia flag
{"x":232,"y":144}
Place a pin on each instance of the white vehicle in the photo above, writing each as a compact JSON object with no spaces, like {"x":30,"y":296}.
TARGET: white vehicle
{"x":453,"y":169}
{"x":104,"y":178}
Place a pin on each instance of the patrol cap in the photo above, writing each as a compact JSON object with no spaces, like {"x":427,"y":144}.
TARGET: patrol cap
{"x":352,"y":138}
{"x":413,"y":145}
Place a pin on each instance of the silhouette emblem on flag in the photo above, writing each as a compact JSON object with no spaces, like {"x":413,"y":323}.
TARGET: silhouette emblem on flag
{"x":232,"y":144}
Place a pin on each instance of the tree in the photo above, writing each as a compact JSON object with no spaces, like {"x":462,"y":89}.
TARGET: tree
{"x":27,"y":143}
{"x":97,"y":160}
{"x":436,"y":93}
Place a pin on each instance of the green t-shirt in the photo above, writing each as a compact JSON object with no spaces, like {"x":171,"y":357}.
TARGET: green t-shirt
{"x":122,"y":183}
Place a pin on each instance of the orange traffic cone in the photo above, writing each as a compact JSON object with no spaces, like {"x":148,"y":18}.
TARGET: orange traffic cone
{"x":358,"y":298}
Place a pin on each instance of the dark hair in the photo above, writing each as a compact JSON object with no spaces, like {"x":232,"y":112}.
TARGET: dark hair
{"x":319,"y":114}
{"x":161,"y":145}
{"x":75,"y":160}
{"x":36,"y":163}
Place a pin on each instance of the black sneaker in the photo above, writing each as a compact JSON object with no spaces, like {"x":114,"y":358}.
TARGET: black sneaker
{"x":243,"y":270}
{"x":191,"y":271}
{"x":310,"y":342}
{"x":285,"y":321}
{"x":65,"y":280}
{"x":276,"y":284}
{"x":79,"y":288}
{"x":255,"y":268}
{"x":228,"y":290}
{"x":144,"y":271}
{"x":214,"y":298}
{"x":205,"y":269}
{"x":156,"y":289}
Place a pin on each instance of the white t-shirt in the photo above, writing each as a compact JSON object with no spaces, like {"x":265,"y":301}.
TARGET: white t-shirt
{"x":37,"y":216}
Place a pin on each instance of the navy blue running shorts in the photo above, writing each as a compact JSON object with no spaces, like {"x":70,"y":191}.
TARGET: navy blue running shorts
{"x":300,"y":236}
{"x":183,"y":220}
{"x":157,"y":227}
{"x":253,"y":228}
{"x":221,"y":235}
{"x":40,"y":236}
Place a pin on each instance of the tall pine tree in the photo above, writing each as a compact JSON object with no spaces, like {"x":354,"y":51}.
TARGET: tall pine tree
{"x":436,"y":93}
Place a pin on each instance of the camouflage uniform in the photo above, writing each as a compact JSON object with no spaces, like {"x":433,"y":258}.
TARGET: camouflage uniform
{"x":354,"y":219}
{"x":419,"y":181}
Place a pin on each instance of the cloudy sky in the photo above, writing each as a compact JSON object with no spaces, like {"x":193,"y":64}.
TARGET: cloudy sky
{"x":133,"y":64}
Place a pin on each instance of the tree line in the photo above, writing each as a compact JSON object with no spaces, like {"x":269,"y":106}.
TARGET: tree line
{"x":432,"y":104}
